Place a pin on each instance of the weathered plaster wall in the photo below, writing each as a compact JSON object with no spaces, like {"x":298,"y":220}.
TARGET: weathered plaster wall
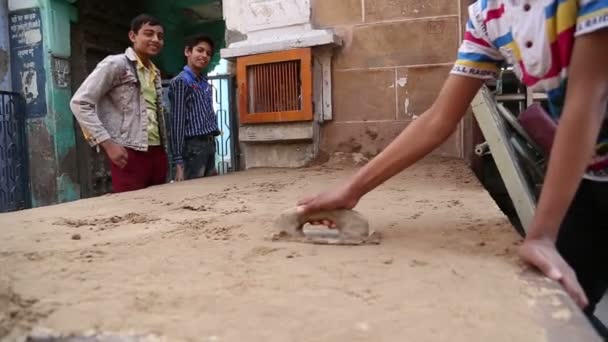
{"x":395,"y":57}
{"x":5,"y":72}
{"x":260,"y":26}
{"x":44,"y":80}
{"x":263,"y":18}
{"x":233,"y":12}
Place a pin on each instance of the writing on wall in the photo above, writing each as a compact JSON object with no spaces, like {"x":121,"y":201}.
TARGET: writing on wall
{"x":27,"y":62}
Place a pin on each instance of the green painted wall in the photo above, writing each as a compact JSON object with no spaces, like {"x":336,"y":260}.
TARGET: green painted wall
{"x":178,"y":27}
{"x":60,"y":120}
{"x":216,"y":30}
{"x":51,"y":139}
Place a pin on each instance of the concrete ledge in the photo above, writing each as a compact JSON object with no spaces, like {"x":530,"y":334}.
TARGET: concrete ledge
{"x":286,"y":155}
{"x":274,"y":43}
{"x":276,"y":132}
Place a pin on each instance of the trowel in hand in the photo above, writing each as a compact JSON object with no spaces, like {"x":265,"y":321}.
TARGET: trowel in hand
{"x":352,"y":228}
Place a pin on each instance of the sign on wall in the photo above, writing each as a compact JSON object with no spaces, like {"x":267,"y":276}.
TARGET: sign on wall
{"x":27,"y":60}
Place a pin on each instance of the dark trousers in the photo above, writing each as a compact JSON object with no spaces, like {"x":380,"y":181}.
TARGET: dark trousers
{"x":199,"y":157}
{"x":143,"y":169}
{"x":583,"y":242}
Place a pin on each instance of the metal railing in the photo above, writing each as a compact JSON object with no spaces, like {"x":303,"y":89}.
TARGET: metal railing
{"x":14,"y":174}
{"x":224,"y":103}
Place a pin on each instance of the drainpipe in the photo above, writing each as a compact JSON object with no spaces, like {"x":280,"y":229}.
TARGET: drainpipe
{"x":5,"y":65}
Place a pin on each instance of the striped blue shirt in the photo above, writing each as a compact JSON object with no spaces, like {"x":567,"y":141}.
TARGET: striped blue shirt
{"x":192,"y":111}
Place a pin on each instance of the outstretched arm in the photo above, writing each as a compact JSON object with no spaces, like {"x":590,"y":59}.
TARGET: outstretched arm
{"x":421,"y":137}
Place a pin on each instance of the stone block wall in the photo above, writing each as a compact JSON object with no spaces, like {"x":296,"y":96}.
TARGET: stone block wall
{"x":396,"y":55}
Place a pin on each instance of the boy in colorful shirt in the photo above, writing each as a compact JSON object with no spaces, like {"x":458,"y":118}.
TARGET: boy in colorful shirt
{"x":555,"y":46}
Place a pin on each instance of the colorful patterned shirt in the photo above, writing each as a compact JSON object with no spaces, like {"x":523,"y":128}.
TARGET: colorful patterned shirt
{"x":535,"y":37}
{"x":147,"y":77}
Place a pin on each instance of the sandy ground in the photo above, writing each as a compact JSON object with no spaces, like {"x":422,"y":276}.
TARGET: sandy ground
{"x":193,"y":262}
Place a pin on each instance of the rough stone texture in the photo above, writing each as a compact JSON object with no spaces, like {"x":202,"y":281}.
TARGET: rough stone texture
{"x":234,"y":36}
{"x":277,"y":145}
{"x":368,"y":138}
{"x":290,"y":155}
{"x":4,"y":66}
{"x":364,"y":95}
{"x":289,"y":41}
{"x":42,"y":172}
{"x":418,"y":88}
{"x":276,"y":132}
{"x":400,"y":44}
{"x":453,"y":145}
{"x":336,"y":12}
{"x":373,"y":74}
{"x":379,"y":10}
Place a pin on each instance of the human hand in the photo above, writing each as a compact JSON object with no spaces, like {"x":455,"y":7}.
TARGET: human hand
{"x":542,"y":253}
{"x":341,"y":197}
{"x":117,"y":153}
{"x":179,"y":173}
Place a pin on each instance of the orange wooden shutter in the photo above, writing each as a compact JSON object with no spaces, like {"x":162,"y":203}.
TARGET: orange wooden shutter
{"x":275,"y":87}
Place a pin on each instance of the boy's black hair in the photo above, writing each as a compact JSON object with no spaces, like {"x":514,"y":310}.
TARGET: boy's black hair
{"x":194,"y":41}
{"x":142,"y":19}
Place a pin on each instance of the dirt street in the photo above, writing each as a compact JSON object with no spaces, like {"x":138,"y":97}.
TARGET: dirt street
{"x":193,"y":262}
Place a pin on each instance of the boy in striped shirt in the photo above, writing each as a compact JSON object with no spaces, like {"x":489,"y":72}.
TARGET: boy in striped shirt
{"x":558,"y":47}
{"x":193,"y":119}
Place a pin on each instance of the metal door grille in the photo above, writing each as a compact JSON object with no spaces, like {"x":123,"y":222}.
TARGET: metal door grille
{"x":226,"y":155}
{"x":274,"y":87}
{"x":14,"y":178}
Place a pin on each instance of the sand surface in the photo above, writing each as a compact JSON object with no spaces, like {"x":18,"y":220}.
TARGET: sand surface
{"x":192,"y":262}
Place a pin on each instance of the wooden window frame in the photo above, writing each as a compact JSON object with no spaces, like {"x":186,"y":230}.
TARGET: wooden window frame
{"x":303,"y":55}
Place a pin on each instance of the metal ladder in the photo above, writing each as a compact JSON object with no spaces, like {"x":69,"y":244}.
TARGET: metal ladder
{"x":518,"y":159}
